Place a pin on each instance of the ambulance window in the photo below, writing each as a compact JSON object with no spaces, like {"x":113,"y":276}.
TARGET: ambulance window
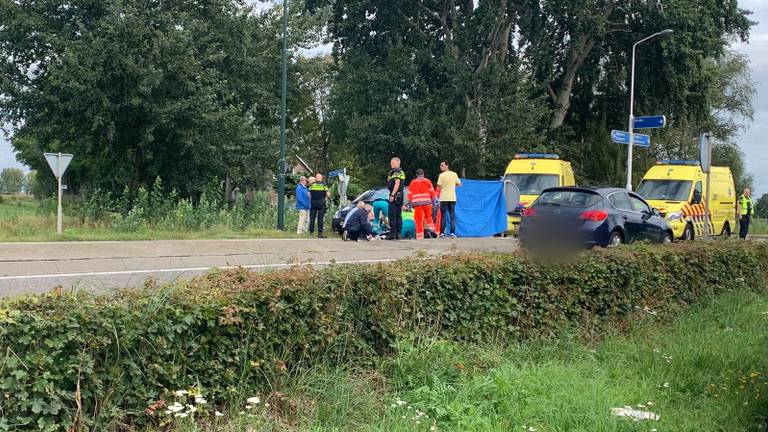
{"x":696,"y":194}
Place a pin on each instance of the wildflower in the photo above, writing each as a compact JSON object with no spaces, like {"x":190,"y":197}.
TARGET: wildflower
{"x":531,"y":429}
{"x":649,"y":403}
{"x":634,"y":414}
{"x":253,"y":400}
{"x":266,"y":405}
{"x":433,"y":428}
{"x":248,"y":407}
{"x":191,"y":408}
{"x":180,"y":393}
{"x":176,"y":407}
{"x":400,"y":402}
{"x":200,"y":400}
{"x":218,"y":414}
{"x":666,"y":385}
{"x":181,"y":415}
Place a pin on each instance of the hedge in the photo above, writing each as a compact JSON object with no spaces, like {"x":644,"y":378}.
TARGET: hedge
{"x":75,"y":361}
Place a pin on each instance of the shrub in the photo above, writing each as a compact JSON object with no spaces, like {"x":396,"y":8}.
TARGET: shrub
{"x":76,"y":361}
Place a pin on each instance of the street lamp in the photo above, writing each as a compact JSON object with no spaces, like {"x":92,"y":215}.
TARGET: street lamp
{"x":662,"y":33}
{"x":281,"y":165}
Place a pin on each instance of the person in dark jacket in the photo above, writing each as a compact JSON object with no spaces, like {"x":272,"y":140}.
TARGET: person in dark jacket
{"x":359,"y":225}
{"x":319,"y":194}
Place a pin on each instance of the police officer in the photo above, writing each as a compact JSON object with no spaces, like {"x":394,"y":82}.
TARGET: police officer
{"x":318,"y":193}
{"x":395,"y":184}
{"x":746,"y":209}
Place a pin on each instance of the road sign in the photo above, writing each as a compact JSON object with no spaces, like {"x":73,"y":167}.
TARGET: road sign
{"x":621,"y":137}
{"x":58,"y":162}
{"x":650,"y":122}
{"x":336,"y":173}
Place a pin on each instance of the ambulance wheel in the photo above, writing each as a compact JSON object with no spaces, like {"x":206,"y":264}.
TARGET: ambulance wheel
{"x":688,"y":233}
{"x":726,"y":230}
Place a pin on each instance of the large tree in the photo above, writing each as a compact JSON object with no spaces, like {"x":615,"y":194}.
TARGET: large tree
{"x":11,"y":180}
{"x":186,"y":91}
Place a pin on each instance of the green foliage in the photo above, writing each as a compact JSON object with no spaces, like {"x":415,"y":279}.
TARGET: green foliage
{"x":761,"y":207}
{"x":11,"y":180}
{"x":115,"y":356}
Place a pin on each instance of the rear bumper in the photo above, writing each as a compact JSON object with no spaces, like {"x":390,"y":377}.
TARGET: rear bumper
{"x":587,"y":235}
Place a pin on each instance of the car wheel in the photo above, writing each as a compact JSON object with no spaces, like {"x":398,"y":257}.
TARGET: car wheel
{"x":666,"y":238}
{"x":616,"y":239}
{"x":688,"y":233}
{"x":726,"y":230}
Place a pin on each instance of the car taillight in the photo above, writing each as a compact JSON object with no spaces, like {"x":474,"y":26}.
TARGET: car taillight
{"x":594,"y":215}
{"x":528,"y":212}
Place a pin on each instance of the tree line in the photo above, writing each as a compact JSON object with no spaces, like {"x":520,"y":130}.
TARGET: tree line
{"x":189,"y":90}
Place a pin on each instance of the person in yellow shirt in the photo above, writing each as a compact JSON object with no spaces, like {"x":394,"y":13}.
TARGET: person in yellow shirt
{"x":446,"y":187}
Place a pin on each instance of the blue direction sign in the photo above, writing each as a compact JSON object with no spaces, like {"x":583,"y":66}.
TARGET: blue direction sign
{"x":621,"y":137}
{"x":336,"y":173}
{"x":650,"y":122}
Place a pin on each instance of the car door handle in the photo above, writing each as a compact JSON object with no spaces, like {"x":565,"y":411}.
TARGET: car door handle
{"x":625,"y":217}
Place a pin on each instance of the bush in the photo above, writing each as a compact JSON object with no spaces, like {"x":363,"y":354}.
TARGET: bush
{"x":76,"y":361}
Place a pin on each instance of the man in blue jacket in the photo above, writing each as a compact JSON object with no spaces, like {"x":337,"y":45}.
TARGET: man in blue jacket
{"x":302,"y":206}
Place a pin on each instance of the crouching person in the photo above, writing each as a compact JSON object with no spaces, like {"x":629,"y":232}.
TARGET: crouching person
{"x":359,"y":225}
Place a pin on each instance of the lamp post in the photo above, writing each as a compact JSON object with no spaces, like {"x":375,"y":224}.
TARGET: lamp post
{"x":281,"y":165}
{"x":631,"y":129}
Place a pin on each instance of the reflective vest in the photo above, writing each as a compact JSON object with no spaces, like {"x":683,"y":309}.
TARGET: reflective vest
{"x":421,"y":192}
{"x":746,"y":206}
{"x":318,"y":191}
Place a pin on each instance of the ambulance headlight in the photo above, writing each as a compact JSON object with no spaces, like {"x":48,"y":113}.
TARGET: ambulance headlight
{"x":674,"y":216}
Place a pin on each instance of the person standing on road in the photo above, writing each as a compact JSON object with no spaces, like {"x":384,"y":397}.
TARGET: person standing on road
{"x":746,"y":209}
{"x":319,"y":194}
{"x":421,"y":195}
{"x":302,"y":206}
{"x":395,"y":184}
{"x":446,"y":185}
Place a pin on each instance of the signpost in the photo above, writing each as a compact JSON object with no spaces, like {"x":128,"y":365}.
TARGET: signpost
{"x":650,"y":122}
{"x":621,"y":137}
{"x":705,"y":157}
{"x":341,"y":174}
{"x":58,"y":163}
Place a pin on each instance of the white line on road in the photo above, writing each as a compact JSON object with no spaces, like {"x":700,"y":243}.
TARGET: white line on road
{"x":190,"y":269}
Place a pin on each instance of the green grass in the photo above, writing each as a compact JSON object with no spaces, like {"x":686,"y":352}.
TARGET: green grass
{"x":706,"y":371}
{"x":759,"y":226}
{"x":23,"y":219}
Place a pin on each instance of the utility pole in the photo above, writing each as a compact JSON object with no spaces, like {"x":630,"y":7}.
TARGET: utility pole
{"x":281,"y":165}
{"x":631,"y":129}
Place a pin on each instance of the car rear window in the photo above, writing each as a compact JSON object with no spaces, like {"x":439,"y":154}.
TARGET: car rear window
{"x":568,"y":198}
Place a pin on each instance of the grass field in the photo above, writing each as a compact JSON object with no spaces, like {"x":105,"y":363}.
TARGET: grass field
{"x":24,"y":219}
{"x":706,"y":371}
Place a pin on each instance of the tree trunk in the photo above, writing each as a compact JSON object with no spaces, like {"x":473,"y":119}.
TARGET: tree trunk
{"x":228,"y":189}
{"x":562,"y":99}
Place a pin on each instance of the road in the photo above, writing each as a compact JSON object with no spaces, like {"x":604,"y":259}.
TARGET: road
{"x":28,"y":268}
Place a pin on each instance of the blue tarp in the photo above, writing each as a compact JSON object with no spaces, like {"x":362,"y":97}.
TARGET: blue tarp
{"x":481,"y":209}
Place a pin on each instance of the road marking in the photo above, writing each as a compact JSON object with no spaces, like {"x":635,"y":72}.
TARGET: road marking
{"x":191,"y":269}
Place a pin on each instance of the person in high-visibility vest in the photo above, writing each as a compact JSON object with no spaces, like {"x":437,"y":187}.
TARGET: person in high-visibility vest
{"x":318,"y":193}
{"x":421,"y":196}
{"x":746,"y":209}
{"x":395,"y":184}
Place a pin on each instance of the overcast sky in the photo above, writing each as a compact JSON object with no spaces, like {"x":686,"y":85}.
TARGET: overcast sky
{"x":753,"y":141}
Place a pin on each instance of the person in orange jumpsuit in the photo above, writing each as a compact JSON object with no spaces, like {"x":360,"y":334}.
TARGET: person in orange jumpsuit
{"x":421,"y":196}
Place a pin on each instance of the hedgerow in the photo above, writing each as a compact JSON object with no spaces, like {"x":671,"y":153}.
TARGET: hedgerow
{"x":75,"y":361}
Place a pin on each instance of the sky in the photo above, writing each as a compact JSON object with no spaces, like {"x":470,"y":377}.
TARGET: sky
{"x":754,"y":141}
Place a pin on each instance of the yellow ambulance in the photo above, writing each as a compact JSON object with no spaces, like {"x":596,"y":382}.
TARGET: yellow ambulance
{"x":532,"y":173}
{"x":677,"y":188}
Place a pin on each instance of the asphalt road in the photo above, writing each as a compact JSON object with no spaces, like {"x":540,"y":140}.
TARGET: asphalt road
{"x":27,"y":268}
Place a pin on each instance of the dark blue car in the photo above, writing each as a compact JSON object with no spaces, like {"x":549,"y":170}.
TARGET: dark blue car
{"x":589,"y":217}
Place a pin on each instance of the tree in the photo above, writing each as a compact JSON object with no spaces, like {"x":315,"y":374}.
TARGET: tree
{"x":139,"y":90}
{"x":761,"y":207}
{"x":11,"y":180}
{"x":32,"y":185}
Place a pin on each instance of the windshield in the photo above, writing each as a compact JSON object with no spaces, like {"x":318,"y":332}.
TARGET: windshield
{"x":665,"y":190}
{"x":533,"y":184}
{"x":566,"y":198}
{"x":365,"y":196}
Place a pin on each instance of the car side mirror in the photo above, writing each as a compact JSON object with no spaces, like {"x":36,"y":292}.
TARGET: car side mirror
{"x":656,"y":212}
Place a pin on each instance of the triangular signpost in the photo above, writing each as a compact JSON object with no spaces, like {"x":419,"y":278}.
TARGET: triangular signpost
{"x":58,"y":163}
